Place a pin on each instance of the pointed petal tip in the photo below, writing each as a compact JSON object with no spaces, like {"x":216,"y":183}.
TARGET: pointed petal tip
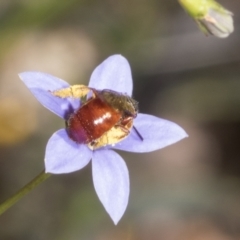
{"x":117,"y":218}
{"x":182,"y":134}
{"x":21,"y":75}
{"x":186,"y":135}
{"x":116,"y":221}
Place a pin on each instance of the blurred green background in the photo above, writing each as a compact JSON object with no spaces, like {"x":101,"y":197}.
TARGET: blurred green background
{"x":187,"y":191}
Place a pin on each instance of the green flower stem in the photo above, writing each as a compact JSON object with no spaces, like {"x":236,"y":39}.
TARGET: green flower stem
{"x":22,"y":192}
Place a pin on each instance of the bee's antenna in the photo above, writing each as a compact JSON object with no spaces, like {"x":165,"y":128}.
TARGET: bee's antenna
{"x":138,"y":133}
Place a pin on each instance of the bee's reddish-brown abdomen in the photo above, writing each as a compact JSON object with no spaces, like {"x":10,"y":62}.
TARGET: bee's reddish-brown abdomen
{"x":92,"y":120}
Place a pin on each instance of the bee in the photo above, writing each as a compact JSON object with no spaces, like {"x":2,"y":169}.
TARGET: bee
{"x":105,"y":118}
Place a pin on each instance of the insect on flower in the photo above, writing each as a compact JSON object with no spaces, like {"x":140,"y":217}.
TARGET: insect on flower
{"x":103,"y":119}
{"x":102,"y":113}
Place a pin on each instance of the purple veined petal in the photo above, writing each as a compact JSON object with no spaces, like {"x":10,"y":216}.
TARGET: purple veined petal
{"x":111,"y":182}
{"x":114,"y":73}
{"x":64,"y":155}
{"x":157,"y":133}
{"x":40,"y":84}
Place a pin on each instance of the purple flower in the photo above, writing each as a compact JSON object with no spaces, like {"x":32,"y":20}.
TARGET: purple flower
{"x":110,"y":173}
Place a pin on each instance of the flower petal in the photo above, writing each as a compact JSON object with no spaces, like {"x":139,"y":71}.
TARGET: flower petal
{"x":40,"y":84}
{"x":156,"y":132}
{"x":218,"y":23}
{"x":111,"y":182}
{"x":114,"y":73}
{"x":64,"y":155}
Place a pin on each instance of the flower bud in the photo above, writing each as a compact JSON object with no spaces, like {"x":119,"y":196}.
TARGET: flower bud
{"x":210,"y":16}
